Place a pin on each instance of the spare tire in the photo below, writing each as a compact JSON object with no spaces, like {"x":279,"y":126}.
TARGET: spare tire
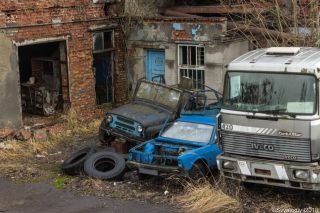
{"x":105,"y":165}
{"x":74,"y":164}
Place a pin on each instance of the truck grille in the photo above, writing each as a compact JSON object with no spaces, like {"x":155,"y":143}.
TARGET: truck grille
{"x":293,"y":149}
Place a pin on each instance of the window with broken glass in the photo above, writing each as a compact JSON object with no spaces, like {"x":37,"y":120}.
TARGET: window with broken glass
{"x":191,"y":64}
{"x":103,"y":53}
{"x":103,"y":41}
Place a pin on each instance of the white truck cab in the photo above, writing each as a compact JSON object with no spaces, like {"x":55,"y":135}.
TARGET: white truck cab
{"x":270,"y":124}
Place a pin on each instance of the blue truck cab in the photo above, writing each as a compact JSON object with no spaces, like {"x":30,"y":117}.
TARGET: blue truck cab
{"x":183,"y":146}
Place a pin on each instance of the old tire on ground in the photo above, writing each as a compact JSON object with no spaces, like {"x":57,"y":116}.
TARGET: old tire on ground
{"x":105,"y":165}
{"x":74,"y":164}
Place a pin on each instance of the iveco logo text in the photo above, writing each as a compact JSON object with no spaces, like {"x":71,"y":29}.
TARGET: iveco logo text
{"x":259,"y":146}
{"x":289,"y":134}
{"x":226,"y":127}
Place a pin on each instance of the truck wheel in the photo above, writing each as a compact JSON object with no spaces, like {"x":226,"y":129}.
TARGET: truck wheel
{"x":105,"y":165}
{"x":198,"y":171}
{"x":74,"y":164}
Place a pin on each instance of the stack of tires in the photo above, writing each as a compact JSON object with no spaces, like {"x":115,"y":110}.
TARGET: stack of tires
{"x":104,"y":165}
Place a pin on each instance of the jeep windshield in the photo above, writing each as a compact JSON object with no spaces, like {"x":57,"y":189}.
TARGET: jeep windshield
{"x":270,"y":93}
{"x":157,"y":94}
{"x":186,"y":131}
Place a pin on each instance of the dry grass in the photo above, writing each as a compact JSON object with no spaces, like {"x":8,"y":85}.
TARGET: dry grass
{"x":20,"y":150}
{"x":31,"y":148}
{"x":80,"y":127}
{"x":208,"y":198}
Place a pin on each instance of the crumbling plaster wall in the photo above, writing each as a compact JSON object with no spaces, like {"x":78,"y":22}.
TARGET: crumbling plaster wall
{"x":168,"y":34}
{"x":217,"y":56}
{"x":10,"y":110}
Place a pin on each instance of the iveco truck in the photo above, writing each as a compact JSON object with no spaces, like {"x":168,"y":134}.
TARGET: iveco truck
{"x":270,"y":122}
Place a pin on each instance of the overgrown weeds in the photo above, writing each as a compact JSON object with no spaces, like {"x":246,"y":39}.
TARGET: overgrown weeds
{"x":209,"y":197}
{"x":80,"y":127}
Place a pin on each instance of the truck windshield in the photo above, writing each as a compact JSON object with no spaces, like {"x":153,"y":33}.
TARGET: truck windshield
{"x":274,"y":93}
{"x":186,"y":131}
{"x":156,"y":93}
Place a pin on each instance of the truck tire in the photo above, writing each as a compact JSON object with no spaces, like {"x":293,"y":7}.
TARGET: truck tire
{"x":105,"y":165}
{"x":74,"y":164}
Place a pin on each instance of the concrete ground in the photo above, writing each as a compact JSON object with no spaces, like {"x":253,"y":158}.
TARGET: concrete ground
{"x":42,"y":197}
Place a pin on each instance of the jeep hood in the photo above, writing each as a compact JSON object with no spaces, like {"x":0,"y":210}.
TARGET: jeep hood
{"x":145,"y":114}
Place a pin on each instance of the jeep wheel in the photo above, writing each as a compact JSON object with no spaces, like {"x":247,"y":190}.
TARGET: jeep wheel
{"x":105,"y":165}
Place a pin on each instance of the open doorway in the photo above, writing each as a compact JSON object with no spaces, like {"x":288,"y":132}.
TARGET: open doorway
{"x":44,"y":83}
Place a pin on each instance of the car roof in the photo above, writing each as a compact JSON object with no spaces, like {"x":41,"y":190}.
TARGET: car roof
{"x":198,"y":119}
{"x":279,"y":59}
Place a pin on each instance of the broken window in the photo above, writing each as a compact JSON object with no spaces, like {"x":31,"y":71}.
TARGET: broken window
{"x":192,"y":56}
{"x":191,"y":64}
{"x":103,"y":44}
{"x":102,"y":41}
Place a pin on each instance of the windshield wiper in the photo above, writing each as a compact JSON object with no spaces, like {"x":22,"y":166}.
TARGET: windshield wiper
{"x":276,"y":112}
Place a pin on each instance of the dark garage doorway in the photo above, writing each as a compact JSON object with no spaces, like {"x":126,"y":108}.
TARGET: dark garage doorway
{"x":44,"y":80}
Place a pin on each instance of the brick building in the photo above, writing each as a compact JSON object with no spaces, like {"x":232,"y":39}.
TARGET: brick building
{"x":57,"y":54}
{"x":88,"y":54}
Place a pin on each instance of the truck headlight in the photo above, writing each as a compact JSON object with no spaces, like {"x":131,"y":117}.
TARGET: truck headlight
{"x":109,"y":118}
{"x":139,"y":128}
{"x":301,"y":174}
{"x":228,"y":165}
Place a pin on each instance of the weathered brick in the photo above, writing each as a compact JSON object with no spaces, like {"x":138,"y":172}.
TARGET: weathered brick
{"x":33,"y":20}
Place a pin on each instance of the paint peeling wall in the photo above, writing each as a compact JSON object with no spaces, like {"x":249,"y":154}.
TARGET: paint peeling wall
{"x":10,"y":109}
{"x":168,"y":34}
{"x":217,"y":56}
{"x":174,"y":31}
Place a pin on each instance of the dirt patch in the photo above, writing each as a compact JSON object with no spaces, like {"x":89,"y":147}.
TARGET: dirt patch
{"x":34,"y":162}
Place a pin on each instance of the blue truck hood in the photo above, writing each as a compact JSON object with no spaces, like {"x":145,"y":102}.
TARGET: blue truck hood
{"x":145,"y":114}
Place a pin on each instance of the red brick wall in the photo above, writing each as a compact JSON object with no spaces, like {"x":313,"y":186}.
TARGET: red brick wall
{"x":32,"y":19}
